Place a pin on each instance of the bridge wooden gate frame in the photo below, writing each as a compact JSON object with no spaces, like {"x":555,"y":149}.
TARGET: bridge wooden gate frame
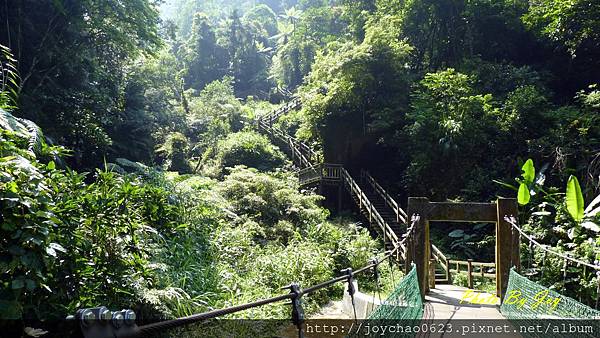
{"x":507,"y":241}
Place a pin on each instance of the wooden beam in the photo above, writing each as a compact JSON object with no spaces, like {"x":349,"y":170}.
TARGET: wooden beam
{"x":419,"y":251}
{"x":463,"y":212}
{"x":507,"y":248}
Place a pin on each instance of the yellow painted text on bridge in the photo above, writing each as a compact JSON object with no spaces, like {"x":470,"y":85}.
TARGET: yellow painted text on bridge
{"x":473,"y":297}
{"x":514,"y":297}
{"x":542,"y":298}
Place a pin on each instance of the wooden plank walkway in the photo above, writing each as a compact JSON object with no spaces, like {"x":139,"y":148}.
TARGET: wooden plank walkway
{"x":443,"y":304}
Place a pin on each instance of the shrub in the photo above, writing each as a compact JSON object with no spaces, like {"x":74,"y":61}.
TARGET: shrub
{"x":250,"y":149}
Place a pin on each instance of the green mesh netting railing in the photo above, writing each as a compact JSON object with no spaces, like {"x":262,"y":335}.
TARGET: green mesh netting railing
{"x":527,"y":302}
{"x":404,"y":303}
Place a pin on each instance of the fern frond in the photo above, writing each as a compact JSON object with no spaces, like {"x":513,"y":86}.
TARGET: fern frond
{"x":36,"y":136}
{"x":14,"y":124}
{"x":25,"y":129}
{"x":9,"y":78}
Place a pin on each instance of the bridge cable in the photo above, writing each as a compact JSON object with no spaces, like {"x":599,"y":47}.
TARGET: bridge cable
{"x":512,"y":221}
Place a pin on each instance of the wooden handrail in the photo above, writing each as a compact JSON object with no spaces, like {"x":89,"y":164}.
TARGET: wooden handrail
{"x":470,"y":272}
{"x":440,"y":258}
{"x":401,"y":216}
{"x":487,"y":265}
{"x":313,"y":171}
{"x":374,"y":215}
{"x":438,"y":251}
{"x":301,"y":153}
{"x":289,"y":106}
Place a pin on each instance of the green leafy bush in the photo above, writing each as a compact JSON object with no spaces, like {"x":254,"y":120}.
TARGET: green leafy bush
{"x":67,"y":243}
{"x":250,"y":149}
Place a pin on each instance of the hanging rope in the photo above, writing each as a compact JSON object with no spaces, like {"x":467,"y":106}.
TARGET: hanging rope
{"x":530,"y":254}
{"x":351,"y":290}
{"x":512,"y":221}
{"x":375,"y":263}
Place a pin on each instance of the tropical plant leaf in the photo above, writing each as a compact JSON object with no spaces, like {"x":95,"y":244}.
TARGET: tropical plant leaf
{"x":14,"y":124}
{"x":528,"y":172}
{"x":574,"y":199}
{"x":457,"y":233}
{"x":523,"y":196}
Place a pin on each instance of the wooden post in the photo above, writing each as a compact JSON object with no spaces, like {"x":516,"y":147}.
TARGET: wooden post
{"x":507,"y":248}
{"x":448,"y":270}
{"x":420,"y":206}
{"x":470,"y":273}
{"x":482,"y":271}
{"x":432,"y":273}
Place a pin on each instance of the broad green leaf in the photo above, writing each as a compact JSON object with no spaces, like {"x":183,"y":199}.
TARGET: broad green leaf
{"x":18,"y":284}
{"x":528,"y":172}
{"x":523,"y":196}
{"x":58,"y":247}
{"x":51,"y":165}
{"x":51,"y":251}
{"x":574,"y":199}
{"x":456,"y":233}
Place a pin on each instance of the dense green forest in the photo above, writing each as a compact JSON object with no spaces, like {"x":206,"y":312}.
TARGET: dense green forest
{"x":131,"y":174}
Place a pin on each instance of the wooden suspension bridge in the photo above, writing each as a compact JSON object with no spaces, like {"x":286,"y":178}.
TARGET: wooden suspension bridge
{"x":389,"y":220}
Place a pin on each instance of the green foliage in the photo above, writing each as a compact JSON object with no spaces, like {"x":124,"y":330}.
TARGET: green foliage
{"x":69,"y":244}
{"x":479,"y":283}
{"x":523,"y":195}
{"x":9,"y":78}
{"x":574,"y":199}
{"x":528,"y":175}
{"x":206,"y":61}
{"x":446,"y":119}
{"x":174,"y":151}
{"x":213,"y":114}
{"x":72,"y":57}
{"x":470,"y":242}
{"x":560,"y":222}
{"x":353,"y":89}
{"x":572,"y":23}
{"x":250,"y":149}
{"x":528,"y":171}
{"x":269,"y":200}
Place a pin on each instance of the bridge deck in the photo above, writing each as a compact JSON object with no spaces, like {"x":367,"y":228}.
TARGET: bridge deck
{"x":444,"y":302}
